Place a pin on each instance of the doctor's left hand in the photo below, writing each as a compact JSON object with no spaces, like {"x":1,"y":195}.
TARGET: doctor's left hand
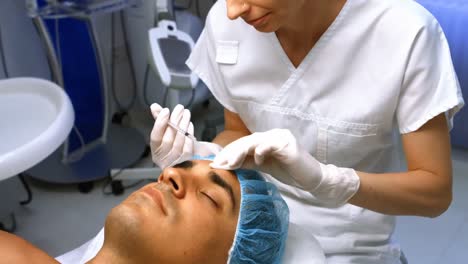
{"x":277,"y":153}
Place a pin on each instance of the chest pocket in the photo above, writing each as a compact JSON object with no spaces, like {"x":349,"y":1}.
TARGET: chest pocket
{"x":347,"y":144}
{"x":227,"y":52}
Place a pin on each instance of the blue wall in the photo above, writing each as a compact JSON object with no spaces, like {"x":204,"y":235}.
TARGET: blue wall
{"x":453,"y":17}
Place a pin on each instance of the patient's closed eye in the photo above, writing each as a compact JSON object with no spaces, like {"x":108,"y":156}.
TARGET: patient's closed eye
{"x":213,"y":201}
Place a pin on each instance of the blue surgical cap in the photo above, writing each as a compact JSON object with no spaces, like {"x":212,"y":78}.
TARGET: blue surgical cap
{"x":263,"y":222}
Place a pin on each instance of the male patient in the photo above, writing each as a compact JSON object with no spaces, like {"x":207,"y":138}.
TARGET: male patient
{"x":192,"y":214}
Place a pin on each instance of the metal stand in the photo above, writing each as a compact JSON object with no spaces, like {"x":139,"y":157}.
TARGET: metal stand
{"x":123,"y":147}
{"x":118,"y":146}
{"x":12,"y":227}
{"x":26,"y":187}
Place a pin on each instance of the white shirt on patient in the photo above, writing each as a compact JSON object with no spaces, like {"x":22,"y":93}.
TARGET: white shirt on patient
{"x":85,"y":252}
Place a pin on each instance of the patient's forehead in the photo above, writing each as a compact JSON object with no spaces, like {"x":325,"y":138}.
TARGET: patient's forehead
{"x":205,"y":165}
{"x":202,"y":162}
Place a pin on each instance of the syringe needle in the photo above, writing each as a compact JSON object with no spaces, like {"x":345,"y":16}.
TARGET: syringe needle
{"x":185,"y":133}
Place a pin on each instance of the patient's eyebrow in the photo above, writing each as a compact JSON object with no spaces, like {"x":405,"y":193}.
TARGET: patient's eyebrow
{"x":188,"y":164}
{"x":218,"y":180}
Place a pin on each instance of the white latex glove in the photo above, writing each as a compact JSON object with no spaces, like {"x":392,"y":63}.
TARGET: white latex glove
{"x":277,"y":153}
{"x":169,"y":147}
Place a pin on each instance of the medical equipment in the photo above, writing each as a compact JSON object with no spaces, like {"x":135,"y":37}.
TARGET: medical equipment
{"x":183,"y":132}
{"x":156,"y":109}
{"x":167,"y":147}
{"x":2,"y":57}
{"x":183,"y":93}
{"x":65,"y":8}
{"x":169,"y":47}
{"x":109,"y":145}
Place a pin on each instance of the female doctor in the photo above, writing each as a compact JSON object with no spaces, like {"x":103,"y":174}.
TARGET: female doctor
{"x":319,"y":93}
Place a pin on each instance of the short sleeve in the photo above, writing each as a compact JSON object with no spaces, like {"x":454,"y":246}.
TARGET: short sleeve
{"x":202,"y":61}
{"x":430,"y":85}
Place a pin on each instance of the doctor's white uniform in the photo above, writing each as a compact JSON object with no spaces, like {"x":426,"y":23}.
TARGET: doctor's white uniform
{"x":383,"y":67}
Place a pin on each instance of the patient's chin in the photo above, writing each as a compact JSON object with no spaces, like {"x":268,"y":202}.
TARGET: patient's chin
{"x":124,"y":227}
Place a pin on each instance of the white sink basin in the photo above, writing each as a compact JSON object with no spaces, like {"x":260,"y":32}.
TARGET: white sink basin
{"x":36,"y":117}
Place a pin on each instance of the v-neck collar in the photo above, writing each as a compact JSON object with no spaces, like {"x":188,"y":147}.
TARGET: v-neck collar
{"x":297,"y":73}
{"x":316,"y":48}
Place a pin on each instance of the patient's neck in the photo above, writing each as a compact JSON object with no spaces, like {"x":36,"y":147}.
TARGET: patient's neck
{"x":109,"y":255}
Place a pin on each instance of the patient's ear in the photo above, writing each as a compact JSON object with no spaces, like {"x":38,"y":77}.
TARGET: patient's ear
{"x":14,"y":249}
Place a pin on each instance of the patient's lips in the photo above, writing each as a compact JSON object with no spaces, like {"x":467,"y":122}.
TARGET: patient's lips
{"x":157,"y":195}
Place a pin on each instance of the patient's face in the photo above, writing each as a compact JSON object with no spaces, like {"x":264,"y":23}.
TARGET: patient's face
{"x":188,"y":216}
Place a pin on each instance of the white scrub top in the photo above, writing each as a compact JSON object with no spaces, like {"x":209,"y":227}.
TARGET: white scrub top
{"x":382,"y":67}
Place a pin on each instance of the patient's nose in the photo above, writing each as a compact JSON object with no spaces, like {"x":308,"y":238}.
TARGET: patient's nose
{"x":173,"y":178}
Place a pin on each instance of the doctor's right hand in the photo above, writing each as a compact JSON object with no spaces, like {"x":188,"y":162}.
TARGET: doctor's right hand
{"x":169,"y":147}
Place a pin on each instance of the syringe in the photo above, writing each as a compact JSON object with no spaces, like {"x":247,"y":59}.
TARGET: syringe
{"x":180,"y":130}
{"x":156,"y":109}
